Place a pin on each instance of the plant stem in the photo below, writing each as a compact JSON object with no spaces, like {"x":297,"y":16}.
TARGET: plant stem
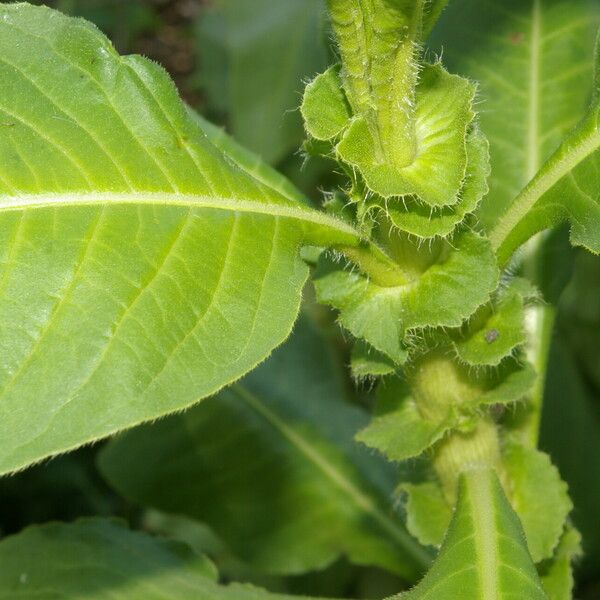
{"x":460,"y":452}
{"x":439,"y":386}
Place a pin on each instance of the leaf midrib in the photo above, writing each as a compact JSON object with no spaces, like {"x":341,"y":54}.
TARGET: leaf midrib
{"x":71,"y":199}
{"x":482,"y":506}
{"x":361,"y":500}
{"x":533,"y":118}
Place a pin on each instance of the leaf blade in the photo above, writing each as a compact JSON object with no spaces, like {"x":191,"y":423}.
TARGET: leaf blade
{"x":100,"y":558}
{"x":288,"y":41}
{"x":115,"y":207}
{"x":484,"y":526}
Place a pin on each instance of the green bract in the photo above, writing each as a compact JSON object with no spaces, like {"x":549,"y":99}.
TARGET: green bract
{"x":446,"y":179}
{"x":398,"y":429}
{"x":450,"y":281}
{"x":366,"y":362}
{"x":421,"y":220}
{"x":496,"y":330}
{"x":437,"y":170}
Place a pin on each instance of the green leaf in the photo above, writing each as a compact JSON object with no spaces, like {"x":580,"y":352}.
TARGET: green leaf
{"x":580,"y":315}
{"x":271,"y":466}
{"x":115,"y":208}
{"x":101,"y":559}
{"x":254,"y":58}
{"x":557,"y":574}
{"x":510,"y":383}
{"x":433,"y":10}
{"x":445,"y":294}
{"x":398,"y":429}
{"x":570,"y":433}
{"x":402,"y":429}
{"x":564,"y":189}
{"x":248,"y":160}
{"x":533,"y":61}
{"x":484,"y":555}
{"x":539,"y":496}
{"x":428,"y":513}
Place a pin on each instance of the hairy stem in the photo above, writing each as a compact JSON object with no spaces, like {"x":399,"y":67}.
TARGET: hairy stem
{"x":379,"y":44}
{"x":439,"y":386}
{"x":463,"y":451}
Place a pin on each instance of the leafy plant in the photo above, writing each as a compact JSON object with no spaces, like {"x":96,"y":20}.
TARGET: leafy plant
{"x":147,"y":261}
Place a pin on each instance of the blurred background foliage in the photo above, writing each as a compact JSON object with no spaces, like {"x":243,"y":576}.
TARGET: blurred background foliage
{"x":243,"y":64}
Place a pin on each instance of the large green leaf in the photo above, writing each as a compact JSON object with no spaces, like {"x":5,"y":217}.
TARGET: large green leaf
{"x":140,"y":267}
{"x":271,"y":466}
{"x":248,"y":160}
{"x":484,"y":555}
{"x":254,"y":57}
{"x":567,"y":188}
{"x":101,"y":559}
{"x":533,"y":60}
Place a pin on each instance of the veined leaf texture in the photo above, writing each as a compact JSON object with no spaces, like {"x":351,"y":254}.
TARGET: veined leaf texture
{"x":141,"y":268}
